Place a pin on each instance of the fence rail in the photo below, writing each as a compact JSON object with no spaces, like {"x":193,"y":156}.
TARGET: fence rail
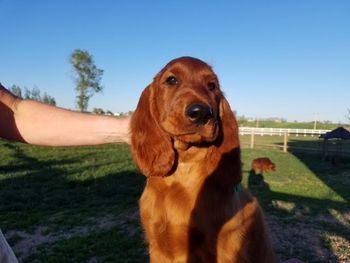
{"x":280,"y":131}
{"x":255,"y":137}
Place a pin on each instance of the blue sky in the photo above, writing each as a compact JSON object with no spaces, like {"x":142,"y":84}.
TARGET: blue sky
{"x":287,"y":58}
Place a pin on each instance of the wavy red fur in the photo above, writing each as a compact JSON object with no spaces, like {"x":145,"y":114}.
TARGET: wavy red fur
{"x":189,"y":209}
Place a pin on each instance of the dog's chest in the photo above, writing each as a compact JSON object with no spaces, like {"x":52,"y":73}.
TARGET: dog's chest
{"x":167,"y":204}
{"x":174,"y":196}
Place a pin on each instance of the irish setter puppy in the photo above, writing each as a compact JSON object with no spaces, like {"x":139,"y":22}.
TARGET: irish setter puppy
{"x":185,"y":140}
{"x":263,"y":165}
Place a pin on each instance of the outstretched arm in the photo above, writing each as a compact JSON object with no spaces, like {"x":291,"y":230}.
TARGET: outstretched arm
{"x":38,"y":123}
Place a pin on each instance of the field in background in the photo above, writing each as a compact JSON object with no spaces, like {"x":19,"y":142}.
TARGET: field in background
{"x":291,"y":125}
{"x":310,"y":144}
{"x":80,"y":204}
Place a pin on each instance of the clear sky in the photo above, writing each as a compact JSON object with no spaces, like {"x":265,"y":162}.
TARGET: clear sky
{"x":287,"y":58}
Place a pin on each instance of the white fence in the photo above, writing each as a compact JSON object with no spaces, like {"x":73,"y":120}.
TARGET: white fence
{"x":280,"y":131}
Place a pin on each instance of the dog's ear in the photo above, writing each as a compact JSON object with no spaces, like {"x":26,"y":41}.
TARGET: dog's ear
{"x":151,"y":147}
{"x":229,"y":127}
{"x":226,"y":159}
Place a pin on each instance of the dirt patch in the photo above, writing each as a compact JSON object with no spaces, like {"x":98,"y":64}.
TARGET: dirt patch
{"x":283,"y":205}
{"x":340,"y":246}
{"x":27,"y":242}
{"x":303,"y":239}
{"x":308,"y":241}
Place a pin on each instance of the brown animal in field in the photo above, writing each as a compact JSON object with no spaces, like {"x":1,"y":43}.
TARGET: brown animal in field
{"x":263,"y":165}
{"x":185,"y":140}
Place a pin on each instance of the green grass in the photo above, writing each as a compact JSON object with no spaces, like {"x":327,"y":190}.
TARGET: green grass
{"x":300,"y":176}
{"x":65,"y":189}
{"x":78,"y":182}
{"x":307,"y":197}
{"x":82,"y":202}
{"x":110,"y":245}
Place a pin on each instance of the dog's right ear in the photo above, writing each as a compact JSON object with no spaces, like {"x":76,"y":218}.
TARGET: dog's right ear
{"x":151,"y":147}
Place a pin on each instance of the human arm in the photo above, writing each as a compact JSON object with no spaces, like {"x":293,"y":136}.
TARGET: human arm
{"x":41,"y":124}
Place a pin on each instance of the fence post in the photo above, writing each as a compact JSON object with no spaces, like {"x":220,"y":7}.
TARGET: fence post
{"x":285,"y":140}
{"x":252,"y":139}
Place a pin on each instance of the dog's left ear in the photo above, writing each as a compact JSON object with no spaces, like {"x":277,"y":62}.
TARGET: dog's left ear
{"x":229,"y":127}
{"x":151,"y":147}
{"x":226,"y":157}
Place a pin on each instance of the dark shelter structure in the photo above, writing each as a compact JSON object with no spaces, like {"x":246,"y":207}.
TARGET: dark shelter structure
{"x":338,"y":133}
{"x":333,"y":141}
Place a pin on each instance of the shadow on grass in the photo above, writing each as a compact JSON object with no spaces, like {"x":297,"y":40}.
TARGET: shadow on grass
{"x":61,"y":189}
{"x":326,"y":168}
{"x":318,"y":214}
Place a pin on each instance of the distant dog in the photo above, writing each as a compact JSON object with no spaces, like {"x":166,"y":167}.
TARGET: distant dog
{"x":263,"y":165}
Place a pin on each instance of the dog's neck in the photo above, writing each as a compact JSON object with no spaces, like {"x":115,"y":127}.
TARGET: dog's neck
{"x":180,"y":145}
{"x":218,"y":162}
{"x":190,"y":152}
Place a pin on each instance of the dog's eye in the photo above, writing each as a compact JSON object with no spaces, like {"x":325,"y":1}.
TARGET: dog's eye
{"x":211,"y":86}
{"x":172,"y":81}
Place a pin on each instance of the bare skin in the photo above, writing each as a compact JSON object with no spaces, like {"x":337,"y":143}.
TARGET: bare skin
{"x":37,"y":123}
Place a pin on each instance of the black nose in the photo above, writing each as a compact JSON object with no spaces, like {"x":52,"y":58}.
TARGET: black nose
{"x":199,"y":113}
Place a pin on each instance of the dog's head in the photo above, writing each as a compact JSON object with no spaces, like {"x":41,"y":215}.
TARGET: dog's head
{"x":181,"y":108}
{"x":272,"y":167}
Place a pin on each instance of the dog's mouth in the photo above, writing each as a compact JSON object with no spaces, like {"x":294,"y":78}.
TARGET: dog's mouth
{"x":197,"y":136}
{"x":197,"y":124}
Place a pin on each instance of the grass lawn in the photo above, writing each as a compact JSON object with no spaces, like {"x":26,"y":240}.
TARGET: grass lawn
{"x":71,"y":204}
{"x":80,"y":204}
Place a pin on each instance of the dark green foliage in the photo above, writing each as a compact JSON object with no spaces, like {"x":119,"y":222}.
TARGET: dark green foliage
{"x":33,"y":94}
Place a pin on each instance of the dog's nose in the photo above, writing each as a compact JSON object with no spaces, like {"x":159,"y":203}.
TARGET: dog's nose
{"x":199,"y":113}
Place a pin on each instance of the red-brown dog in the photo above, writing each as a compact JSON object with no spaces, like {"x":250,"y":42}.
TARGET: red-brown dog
{"x":185,"y":140}
{"x":263,"y":165}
